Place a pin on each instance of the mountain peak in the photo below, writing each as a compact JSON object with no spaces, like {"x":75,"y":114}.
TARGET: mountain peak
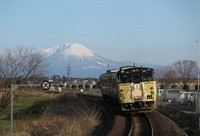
{"x":83,"y":61}
{"x":78,"y":50}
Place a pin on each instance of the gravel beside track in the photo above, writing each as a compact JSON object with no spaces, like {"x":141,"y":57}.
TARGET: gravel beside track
{"x":163,"y":126}
{"x":120,"y":127}
{"x":187,"y":120}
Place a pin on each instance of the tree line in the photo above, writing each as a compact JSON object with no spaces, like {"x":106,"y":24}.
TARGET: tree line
{"x":182,"y":73}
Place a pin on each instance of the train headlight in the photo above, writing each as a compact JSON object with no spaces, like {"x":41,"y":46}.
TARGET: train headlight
{"x":126,"y":106}
{"x":121,"y":90}
{"x":152,"y":92}
{"x":151,"y":88}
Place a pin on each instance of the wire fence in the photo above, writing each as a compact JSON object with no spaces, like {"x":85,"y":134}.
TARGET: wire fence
{"x":188,"y":101}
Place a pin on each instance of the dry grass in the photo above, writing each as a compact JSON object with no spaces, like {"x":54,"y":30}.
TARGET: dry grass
{"x":35,"y":92}
{"x":3,"y":91}
{"x":68,"y":115}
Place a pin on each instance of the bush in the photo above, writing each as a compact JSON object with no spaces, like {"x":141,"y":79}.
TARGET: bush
{"x":74,"y":86}
{"x":196,"y":87}
{"x":61,"y":86}
{"x":162,"y":86}
{"x":174,"y":86}
{"x":186,"y":87}
{"x":68,"y":86}
{"x":87,"y":86}
{"x":80,"y":86}
{"x":5,"y":100}
{"x":94,"y":86}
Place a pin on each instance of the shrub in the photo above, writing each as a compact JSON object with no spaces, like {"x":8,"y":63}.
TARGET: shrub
{"x":174,"y":86}
{"x":186,"y":87}
{"x":94,"y":86}
{"x":74,"y":86}
{"x":196,"y":87}
{"x":80,"y":86}
{"x":162,"y":86}
{"x":87,"y":86}
{"x":68,"y":86}
{"x":5,"y":99}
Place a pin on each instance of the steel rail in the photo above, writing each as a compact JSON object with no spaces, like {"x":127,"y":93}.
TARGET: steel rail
{"x":141,"y":125}
{"x":152,"y":130}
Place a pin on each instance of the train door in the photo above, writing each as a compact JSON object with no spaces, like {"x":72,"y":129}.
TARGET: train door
{"x":110,"y":86}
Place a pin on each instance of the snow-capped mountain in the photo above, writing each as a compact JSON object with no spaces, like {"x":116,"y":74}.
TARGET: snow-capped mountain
{"x":68,"y":50}
{"x":82,"y":61}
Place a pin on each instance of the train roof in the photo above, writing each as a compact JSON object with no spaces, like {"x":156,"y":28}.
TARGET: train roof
{"x":112,"y":71}
{"x":127,"y":68}
{"x":133,"y":67}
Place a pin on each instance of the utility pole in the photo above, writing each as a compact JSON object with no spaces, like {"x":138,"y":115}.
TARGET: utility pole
{"x":68,"y":72}
{"x":197,"y":98}
{"x":197,"y":63}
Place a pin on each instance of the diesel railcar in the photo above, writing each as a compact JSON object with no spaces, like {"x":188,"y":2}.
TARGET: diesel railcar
{"x":132,"y":88}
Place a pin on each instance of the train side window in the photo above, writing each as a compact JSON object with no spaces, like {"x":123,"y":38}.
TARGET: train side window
{"x":114,"y":83}
{"x":118,"y":78}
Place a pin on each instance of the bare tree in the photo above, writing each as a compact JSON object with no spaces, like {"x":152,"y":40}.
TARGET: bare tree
{"x":166,"y":76}
{"x":186,"y":71}
{"x":21,"y":63}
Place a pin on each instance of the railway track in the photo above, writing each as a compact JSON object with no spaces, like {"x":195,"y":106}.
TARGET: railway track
{"x":141,"y":125}
{"x":130,"y":125}
{"x":118,"y":123}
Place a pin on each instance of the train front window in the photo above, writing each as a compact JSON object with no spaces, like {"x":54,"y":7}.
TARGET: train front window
{"x":124,"y":79}
{"x":147,"y":77}
{"x":129,"y":78}
{"x":135,"y":78}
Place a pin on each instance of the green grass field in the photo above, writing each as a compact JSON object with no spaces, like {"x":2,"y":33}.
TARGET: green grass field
{"x":43,"y":113}
{"x":22,"y":106}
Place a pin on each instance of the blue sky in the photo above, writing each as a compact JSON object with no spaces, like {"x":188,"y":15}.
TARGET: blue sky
{"x":141,"y":31}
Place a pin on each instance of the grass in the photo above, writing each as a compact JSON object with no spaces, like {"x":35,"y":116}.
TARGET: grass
{"x":22,"y":106}
{"x":27,"y":102}
{"x":64,"y":114}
